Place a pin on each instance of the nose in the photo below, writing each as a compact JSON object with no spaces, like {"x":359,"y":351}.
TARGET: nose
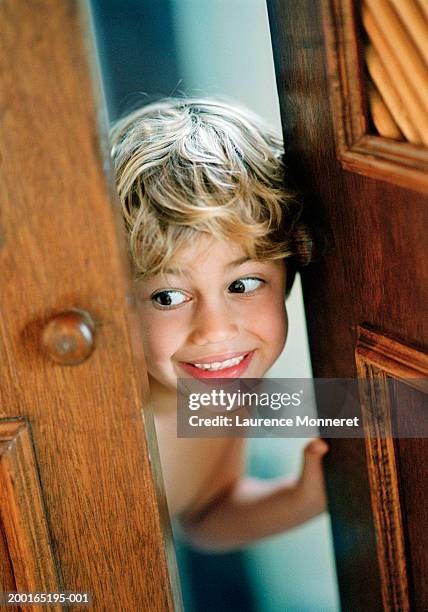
{"x":213,"y":323}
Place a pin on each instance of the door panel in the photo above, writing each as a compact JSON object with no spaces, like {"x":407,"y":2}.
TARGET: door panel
{"x":82,"y":505}
{"x":23,"y":516}
{"x":367,"y":197}
{"x":396,"y":472}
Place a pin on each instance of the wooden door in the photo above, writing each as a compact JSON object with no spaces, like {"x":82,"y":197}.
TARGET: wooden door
{"x":366,"y":192}
{"x":82,"y":507}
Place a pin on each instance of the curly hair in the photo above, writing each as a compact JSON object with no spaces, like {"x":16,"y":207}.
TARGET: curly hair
{"x":186,"y":166}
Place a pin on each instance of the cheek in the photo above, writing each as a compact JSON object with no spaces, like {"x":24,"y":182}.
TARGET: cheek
{"x":272,"y":325}
{"x":154,"y":342}
{"x":283,"y":332}
{"x":275,"y":326}
{"x":277,"y":330}
{"x":159,"y":341}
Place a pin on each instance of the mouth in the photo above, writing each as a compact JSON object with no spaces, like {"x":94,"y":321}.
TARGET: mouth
{"x":231,"y":365}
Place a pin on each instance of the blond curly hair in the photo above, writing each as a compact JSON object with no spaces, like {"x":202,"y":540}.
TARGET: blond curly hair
{"x":186,"y":166}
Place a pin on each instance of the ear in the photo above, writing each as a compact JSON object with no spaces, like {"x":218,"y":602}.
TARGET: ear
{"x":304,"y":244}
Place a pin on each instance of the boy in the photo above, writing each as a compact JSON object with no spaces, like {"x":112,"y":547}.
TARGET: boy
{"x":211,"y":229}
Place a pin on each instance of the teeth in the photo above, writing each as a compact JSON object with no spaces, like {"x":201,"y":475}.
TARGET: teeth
{"x":219,"y":365}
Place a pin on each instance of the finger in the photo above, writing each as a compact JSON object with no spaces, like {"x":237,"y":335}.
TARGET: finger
{"x":316,"y":447}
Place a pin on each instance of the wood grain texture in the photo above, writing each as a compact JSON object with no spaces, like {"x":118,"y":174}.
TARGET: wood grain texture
{"x":303,"y":86}
{"x":63,"y":246}
{"x":393,"y":357}
{"x":401,"y":38}
{"x":23,"y":514}
{"x":411,"y":460}
{"x":392,"y":92}
{"x":412,"y":111}
{"x":382,"y":118}
{"x":403,"y":164}
{"x":415,"y":22}
{"x":379,"y":357}
{"x":7,"y":580}
{"x":374,"y":270}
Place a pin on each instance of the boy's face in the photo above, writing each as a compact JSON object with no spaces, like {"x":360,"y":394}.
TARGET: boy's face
{"x":222,"y":316}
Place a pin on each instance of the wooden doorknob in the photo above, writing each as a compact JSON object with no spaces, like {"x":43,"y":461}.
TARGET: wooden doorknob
{"x":68,"y":337}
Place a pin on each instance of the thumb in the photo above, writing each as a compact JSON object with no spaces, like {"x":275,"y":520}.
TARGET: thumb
{"x":315,"y":449}
{"x":311,"y":480}
{"x":313,"y":453}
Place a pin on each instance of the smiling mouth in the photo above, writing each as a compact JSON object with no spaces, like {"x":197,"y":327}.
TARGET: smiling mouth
{"x":232,"y":367}
{"x":215,"y":366}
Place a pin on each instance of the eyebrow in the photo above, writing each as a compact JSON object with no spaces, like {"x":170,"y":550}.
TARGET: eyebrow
{"x":238,"y":262}
{"x":232,"y":264}
{"x":176,"y":272}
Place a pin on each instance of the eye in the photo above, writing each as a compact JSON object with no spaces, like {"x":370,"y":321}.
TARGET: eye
{"x":169,"y":298}
{"x":246,"y":285}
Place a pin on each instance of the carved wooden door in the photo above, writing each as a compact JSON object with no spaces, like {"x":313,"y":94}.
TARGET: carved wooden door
{"x":82,"y":507}
{"x":353,"y":82}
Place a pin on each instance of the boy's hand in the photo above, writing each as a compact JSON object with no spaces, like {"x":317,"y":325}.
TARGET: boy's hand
{"x":311,"y":482}
{"x":256,"y":508}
